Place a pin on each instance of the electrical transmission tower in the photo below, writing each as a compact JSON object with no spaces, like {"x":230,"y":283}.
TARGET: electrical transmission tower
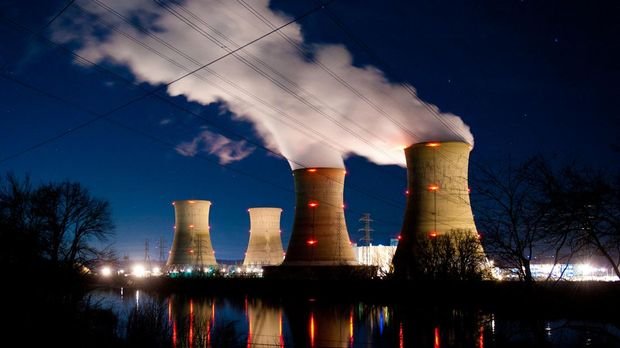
{"x":161,"y":249}
{"x":147,"y":255}
{"x":366,"y":239}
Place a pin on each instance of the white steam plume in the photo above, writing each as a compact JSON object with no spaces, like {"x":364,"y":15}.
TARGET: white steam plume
{"x":225,"y":149}
{"x":314,"y":112}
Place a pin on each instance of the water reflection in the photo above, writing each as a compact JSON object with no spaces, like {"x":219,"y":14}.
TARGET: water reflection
{"x":194,"y":321}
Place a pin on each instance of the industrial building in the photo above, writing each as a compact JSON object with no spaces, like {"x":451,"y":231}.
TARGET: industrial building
{"x":191,"y":246}
{"x":319,"y":236}
{"x":437,"y":199}
{"x":265,"y":244}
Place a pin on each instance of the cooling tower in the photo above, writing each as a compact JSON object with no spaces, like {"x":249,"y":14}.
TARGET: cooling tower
{"x":191,"y":246}
{"x":437,"y":199}
{"x":319,"y":236}
{"x":265,"y":245}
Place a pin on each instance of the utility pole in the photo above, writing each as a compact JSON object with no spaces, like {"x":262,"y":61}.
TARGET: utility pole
{"x":366,"y":239}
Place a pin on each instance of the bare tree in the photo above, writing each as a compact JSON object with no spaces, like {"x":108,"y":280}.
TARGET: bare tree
{"x":511,"y":212}
{"x":71,"y":220}
{"x":57,"y":222}
{"x":456,"y":255}
{"x":586,"y":207}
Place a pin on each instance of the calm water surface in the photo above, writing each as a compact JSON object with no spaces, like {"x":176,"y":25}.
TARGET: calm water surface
{"x":259,"y":322}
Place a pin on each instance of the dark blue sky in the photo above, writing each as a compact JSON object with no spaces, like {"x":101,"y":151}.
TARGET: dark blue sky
{"x":528,"y":77}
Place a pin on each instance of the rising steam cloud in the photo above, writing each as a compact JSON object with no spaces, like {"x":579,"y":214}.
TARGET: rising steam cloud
{"x":314,"y":111}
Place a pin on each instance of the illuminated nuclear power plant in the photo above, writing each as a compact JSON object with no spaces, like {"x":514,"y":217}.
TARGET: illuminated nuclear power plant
{"x":191,"y":246}
{"x":319,"y":236}
{"x":265,"y":245}
{"x":437,"y":199}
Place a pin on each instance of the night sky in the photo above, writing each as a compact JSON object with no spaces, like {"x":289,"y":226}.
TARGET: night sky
{"x":528,"y":77}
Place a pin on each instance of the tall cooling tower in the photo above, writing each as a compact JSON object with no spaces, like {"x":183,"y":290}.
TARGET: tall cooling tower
{"x":265,"y":245}
{"x":437,"y":198}
{"x":319,"y":236}
{"x":191,"y":246}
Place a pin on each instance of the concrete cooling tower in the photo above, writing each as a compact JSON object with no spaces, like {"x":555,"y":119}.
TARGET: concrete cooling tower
{"x":265,"y":245}
{"x":191,"y":246}
{"x":437,"y":198}
{"x":319,"y":236}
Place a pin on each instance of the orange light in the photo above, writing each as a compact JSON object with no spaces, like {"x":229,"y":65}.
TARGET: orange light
{"x":351,"y":328}
{"x":311,"y":242}
{"x":344,"y":206}
{"x":401,"y":336}
{"x":313,"y":204}
{"x":433,"y":234}
{"x":192,"y":202}
{"x":312,"y":329}
{"x":433,"y":144}
{"x":312,"y":170}
{"x":191,"y":251}
{"x":191,"y":226}
{"x":436,"y":345}
{"x":433,"y":187}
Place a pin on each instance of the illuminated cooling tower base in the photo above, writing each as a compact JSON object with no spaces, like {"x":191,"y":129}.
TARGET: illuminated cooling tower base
{"x":437,"y":202}
{"x":191,"y":246}
{"x":319,"y":246}
{"x":265,"y":244}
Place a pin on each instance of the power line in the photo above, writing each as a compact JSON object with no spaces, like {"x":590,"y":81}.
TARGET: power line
{"x":167,"y":100}
{"x":158,"y":88}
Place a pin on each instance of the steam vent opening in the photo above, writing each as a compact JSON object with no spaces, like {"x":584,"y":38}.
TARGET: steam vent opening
{"x":191,"y":245}
{"x":319,"y":236}
{"x":265,"y":244}
{"x":438,"y":202}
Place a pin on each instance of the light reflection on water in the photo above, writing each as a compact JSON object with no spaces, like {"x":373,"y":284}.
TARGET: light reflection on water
{"x":209,"y":321}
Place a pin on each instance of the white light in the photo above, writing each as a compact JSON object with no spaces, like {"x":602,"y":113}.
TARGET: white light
{"x":106,"y":271}
{"x":156,"y":270}
{"x":138,"y":270}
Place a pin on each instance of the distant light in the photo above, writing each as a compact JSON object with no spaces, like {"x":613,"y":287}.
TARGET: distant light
{"x":191,"y":250}
{"x":106,"y":271}
{"x":311,"y":242}
{"x":399,"y":237}
{"x":344,"y":206}
{"x":433,"y":187}
{"x":468,"y":190}
{"x":313,"y":204}
{"x":312,"y":170}
{"x":191,"y":226}
{"x":138,"y":270}
{"x":156,"y":270}
{"x":406,"y":192}
{"x":191,"y":202}
{"x":433,"y":144}
{"x":433,"y":234}
{"x":173,"y":203}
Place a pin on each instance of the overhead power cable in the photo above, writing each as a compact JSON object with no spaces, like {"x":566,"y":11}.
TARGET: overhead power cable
{"x":158,"y":88}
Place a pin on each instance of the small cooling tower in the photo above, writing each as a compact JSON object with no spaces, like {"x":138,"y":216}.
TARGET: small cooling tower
{"x":265,"y":245}
{"x":437,"y":198}
{"x":319,"y":236}
{"x":191,"y":247}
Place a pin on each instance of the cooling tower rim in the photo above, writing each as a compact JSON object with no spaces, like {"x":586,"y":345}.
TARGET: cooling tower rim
{"x":439,"y":144}
{"x":319,"y":169}
{"x":190,"y":201}
{"x":265,"y":208}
